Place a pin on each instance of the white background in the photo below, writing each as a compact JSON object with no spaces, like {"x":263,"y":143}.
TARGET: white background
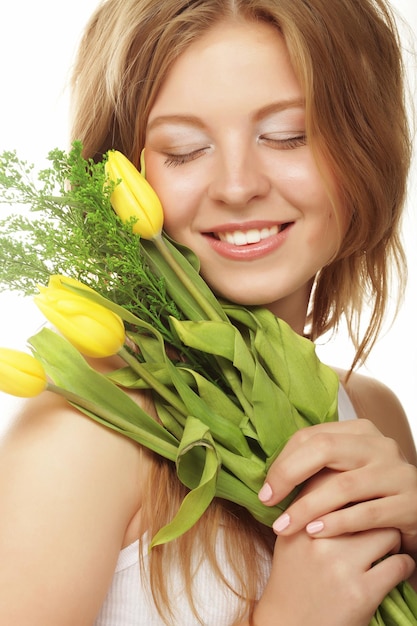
{"x":37,"y":47}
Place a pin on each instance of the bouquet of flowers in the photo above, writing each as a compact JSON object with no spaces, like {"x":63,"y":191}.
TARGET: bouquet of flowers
{"x":230,"y":384}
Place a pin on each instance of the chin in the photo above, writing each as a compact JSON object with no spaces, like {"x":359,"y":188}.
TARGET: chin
{"x":247,"y":297}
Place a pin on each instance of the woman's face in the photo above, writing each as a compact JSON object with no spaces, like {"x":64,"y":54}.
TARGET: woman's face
{"x":227,"y":154}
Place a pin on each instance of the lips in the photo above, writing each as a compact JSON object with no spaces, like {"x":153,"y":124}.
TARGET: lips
{"x":248,"y":243}
{"x":250,"y":236}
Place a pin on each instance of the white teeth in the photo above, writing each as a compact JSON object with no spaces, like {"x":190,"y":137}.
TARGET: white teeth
{"x":254,"y":235}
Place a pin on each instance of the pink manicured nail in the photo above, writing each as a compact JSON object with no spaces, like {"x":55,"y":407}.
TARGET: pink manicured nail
{"x":314,"y":527}
{"x":281,"y":523}
{"x":265,"y":493}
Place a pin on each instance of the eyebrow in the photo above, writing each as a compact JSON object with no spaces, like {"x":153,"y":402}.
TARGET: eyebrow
{"x":193,"y":120}
{"x":277,"y":107}
{"x":187,"y":120}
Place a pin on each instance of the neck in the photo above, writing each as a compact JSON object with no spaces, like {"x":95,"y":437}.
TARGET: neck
{"x":293,"y":309}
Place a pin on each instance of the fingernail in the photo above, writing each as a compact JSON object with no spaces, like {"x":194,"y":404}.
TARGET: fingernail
{"x":314,"y":527}
{"x":265,"y":493}
{"x":281,"y":523}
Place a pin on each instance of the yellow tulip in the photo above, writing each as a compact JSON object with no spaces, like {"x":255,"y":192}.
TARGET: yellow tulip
{"x":60,"y":282}
{"x":133,"y":197}
{"x":91,"y":328}
{"x":21,"y":374}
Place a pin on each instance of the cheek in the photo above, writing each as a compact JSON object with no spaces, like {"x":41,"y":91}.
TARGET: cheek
{"x":318,"y":198}
{"x":298,"y":179}
{"x":176,"y":192}
{"x":178,"y":214}
{"x":325,"y":238}
{"x":168,"y":196}
{"x":327,"y":197}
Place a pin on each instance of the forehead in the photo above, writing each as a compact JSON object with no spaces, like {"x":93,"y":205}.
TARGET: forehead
{"x":233,"y":60}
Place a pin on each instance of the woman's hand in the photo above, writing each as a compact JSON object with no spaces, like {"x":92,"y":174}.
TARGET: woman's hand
{"x":371,"y":485}
{"x":331,"y":582}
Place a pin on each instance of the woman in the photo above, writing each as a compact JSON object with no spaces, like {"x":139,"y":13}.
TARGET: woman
{"x":280,"y":158}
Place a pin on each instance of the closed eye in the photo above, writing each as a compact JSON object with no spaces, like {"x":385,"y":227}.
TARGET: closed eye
{"x":172,"y":160}
{"x":286,"y":143}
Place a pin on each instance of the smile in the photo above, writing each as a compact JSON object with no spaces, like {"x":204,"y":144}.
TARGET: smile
{"x":251,"y":236}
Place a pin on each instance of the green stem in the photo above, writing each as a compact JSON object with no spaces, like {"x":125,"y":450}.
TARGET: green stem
{"x":125,"y":426}
{"x":394,"y":606}
{"x":92,"y":407}
{"x":153,"y":382}
{"x":232,"y":377}
{"x":185,"y":279}
{"x":229,"y":373}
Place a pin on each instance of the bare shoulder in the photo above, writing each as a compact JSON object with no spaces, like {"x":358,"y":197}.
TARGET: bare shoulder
{"x":69,"y":488}
{"x":374,"y":401}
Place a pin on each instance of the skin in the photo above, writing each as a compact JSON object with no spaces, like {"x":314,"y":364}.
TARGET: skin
{"x":226,"y":153}
{"x":69,"y":503}
{"x":66,"y":512}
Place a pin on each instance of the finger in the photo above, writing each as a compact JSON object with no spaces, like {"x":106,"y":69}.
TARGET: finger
{"x":378,"y":544}
{"x":359,"y":427}
{"x":387,"y":574}
{"x":314,"y":452}
{"x":382,"y":513}
{"x":365,"y":548}
{"x":335,"y":499}
{"x":324,"y":450}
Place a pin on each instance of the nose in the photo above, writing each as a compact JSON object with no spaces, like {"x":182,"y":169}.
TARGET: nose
{"x":238,"y":178}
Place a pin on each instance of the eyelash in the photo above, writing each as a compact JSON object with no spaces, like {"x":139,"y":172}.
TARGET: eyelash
{"x":287,"y":144}
{"x":173,"y":160}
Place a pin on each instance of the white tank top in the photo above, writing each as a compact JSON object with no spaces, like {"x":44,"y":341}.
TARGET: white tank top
{"x":128,"y":603}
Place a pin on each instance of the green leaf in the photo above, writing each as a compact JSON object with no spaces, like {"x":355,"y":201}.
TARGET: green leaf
{"x":221,"y":428}
{"x":213,"y":337}
{"x":171,"y":418}
{"x":250,"y":471}
{"x":150,"y":345}
{"x":225,"y":342}
{"x":197,"y":467}
{"x":291,"y":361}
{"x":275,"y":419}
{"x":127,"y":377}
{"x":231,"y":488}
{"x":214,"y":397}
{"x":184,"y":300}
{"x":93,"y":392}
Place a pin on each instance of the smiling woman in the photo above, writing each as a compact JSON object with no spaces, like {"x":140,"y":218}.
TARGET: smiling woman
{"x":280,"y":158}
{"x":36,"y":127}
{"x":242,"y":170}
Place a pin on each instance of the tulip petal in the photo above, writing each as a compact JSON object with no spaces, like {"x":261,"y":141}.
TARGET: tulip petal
{"x":133,"y":197}
{"x":93,"y":329}
{"x":21,"y":374}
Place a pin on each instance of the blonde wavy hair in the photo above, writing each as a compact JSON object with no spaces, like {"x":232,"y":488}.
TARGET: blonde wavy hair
{"x":347,"y":56}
